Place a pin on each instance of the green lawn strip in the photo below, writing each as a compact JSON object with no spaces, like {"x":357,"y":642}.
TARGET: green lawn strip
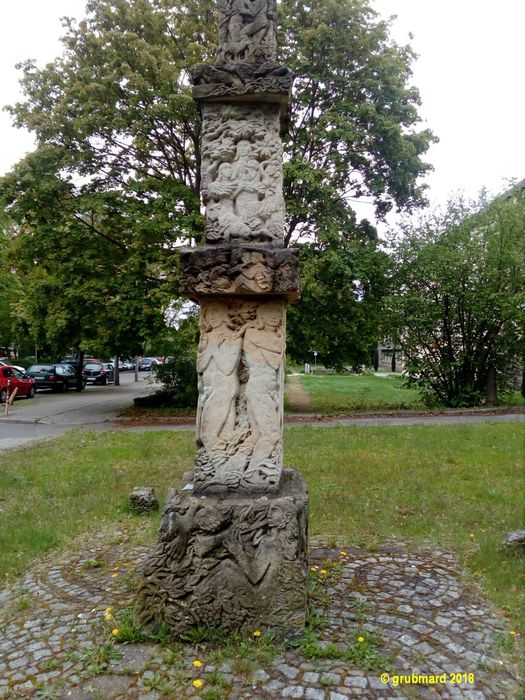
{"x":459,"y":487}
{"x":344,"y":393}
{"x":350,"y":392}
{"x":52,"y":492}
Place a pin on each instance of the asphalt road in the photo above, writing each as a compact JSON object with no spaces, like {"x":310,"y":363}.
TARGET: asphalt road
{"x":50,"y":414}
{"x":96,"y":408}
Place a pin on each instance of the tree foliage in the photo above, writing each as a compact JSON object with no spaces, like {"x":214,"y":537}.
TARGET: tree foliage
{"x":116,"y":176}
{"x":8,"y":293}
{"x":354,"y":116}
{"x":342,"y":301}
{"x":457,"y":305}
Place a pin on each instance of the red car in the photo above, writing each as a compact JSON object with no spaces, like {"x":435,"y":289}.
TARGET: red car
{"x":11,"y":377}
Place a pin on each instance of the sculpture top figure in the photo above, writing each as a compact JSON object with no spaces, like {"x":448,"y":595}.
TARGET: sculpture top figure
{"x":247,"y":52}
{"x":246,"y":27}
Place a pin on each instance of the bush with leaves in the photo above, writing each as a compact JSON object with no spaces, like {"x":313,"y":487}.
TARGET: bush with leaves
{"x":457,"y":303}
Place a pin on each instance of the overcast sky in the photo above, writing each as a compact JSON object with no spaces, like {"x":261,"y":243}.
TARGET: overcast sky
{"x":469,"y":73}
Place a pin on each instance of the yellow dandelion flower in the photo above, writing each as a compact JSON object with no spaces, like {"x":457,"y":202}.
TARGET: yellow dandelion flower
{"x":471,"y":535}
{"x":323,"y":571}
{"x":197,"y":663}
{"x":108,"y":616}
{"x":114,"y":575}
{"x":513,"y":633}
{"x":360,"y":640}
{"x":343,"y":553}
{"x":197,"y":683}
{"x":115,"y":631}
{"x":314,"y":568}
{"x":257,"y":633}
{"x":108,"y":610}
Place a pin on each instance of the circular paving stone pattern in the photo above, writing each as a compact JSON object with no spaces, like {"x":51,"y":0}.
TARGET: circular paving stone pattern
{"x":428,"y":620}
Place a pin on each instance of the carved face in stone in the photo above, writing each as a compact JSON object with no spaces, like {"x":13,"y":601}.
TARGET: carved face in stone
{"x":261,"y":273}
{"x":225,"y":171}
{"x":214,"y":314}
{"x":283,"y":514}
{"x":270,"y":315}
{"x":244,"y":149}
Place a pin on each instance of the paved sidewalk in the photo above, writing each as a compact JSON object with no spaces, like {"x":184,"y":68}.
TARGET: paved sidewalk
{"x":428,"y":620}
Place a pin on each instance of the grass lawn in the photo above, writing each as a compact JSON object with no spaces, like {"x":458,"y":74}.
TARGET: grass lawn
{"x":345,"y":393}
{"x":459,"y":487}
{"x":335,"y":393}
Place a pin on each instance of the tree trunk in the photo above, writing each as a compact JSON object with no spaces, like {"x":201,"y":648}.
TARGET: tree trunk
{"x":394,"y":360}
{"x":491,"y":389}
{"x":375,"y":353}
{"x":80,"y":381}
{"x":116,"y":374}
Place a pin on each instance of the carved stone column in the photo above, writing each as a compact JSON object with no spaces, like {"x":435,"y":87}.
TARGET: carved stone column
{"x":232,"y":544}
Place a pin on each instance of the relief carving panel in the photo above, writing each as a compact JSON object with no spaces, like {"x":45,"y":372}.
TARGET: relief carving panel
{"x":238,"y":564}
{"x":239,"y":414}
{"x":240,"y":270}
{"x":242,"y":176}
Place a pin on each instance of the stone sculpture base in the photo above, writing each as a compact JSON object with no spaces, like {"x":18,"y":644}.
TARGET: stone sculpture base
{"x":237,"y":564}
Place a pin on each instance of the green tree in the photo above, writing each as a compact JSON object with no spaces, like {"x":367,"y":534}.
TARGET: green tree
{"x":457,"y":304}
{"x":118,"y":161}
{"x":7,"y":285}
{"x":85,"y":282}
{"x":353,"y":126}
{"x":342,"y":300}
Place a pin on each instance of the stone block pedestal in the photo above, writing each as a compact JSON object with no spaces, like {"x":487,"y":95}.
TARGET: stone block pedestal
{"x":235,"y":563}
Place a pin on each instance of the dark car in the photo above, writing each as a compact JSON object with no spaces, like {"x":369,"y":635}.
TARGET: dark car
{"x":10,"y":379}
{"x":147,"y":364}
{"x":98,"y":373}
{"x":56,"y":377}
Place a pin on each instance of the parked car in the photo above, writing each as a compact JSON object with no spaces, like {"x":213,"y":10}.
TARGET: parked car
{"x":146,"y":364}
{"x":73,"y":360}
{"x":11,"y":378}
{"x":126,"y":365}
{"x":6,"y":362}
{"x":57,"y":377}
{"x":99,"y":373}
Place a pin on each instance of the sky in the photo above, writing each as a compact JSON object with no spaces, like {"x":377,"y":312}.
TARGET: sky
{"x":469,"y":72}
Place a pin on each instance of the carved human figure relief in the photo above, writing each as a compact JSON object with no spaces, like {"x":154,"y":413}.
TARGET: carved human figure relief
{"x":252,"y":273}
{"x":245,"y":26}
{"x":263,"y":353}
{"x":242,"y":174}
{"x":218,"y":360}
{"x":241,"y":360}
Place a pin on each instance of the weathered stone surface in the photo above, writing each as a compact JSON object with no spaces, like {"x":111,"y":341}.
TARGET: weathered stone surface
{"x":237,"y":563}
{"x":143,"y":499}
{"x":239,"y":413}
{"x":232,"y":543}
{"x":242,"y":269}
{"x":247,"y":51}
{"x":242,"y":176}
{"x":273,"y":89}
{"x":514,"y":541}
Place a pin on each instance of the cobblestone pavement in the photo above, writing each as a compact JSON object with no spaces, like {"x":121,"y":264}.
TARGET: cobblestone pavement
{"x":427,"y":619}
